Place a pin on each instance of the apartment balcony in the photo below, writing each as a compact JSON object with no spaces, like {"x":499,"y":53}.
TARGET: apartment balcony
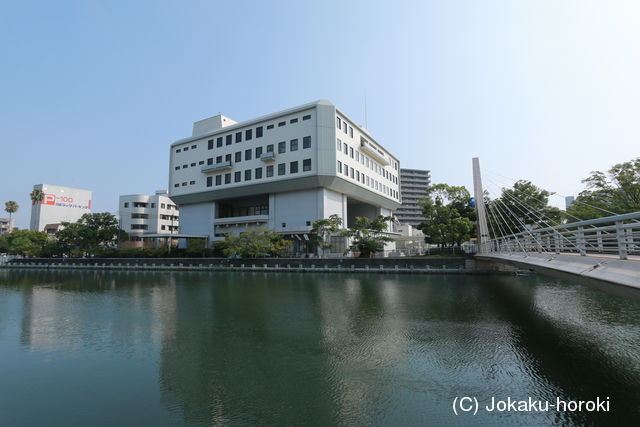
{"x":269,"y":156}
{"x":217,"y":167}
{"x":373,"y":151}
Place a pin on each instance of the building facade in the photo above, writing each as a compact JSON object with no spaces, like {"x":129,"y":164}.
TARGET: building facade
{"x":59,"y":204}
{"x":6,"y":225}
{"x":142,"y":214}
{"x":413,"y":183}
{"x":281,"y":171}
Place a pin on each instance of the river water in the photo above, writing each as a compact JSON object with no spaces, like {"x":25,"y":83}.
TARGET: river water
{"x":191,"y":348}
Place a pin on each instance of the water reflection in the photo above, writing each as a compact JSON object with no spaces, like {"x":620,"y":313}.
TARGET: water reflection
{"x":257,"y":348}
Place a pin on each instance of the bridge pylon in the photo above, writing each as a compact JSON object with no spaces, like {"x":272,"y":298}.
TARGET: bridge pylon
{"x":478,"y":192}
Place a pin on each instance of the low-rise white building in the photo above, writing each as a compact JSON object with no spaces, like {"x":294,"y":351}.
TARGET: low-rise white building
{"x":59,"y":204}
{"x":6,"y":225}
{"x":281,"y":171}
{"x":143,"y":214}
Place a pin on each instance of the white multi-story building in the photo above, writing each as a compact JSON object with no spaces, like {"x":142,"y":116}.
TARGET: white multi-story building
{"x":59,"y":204}
{"x":413,"y":185}
{"x":142,"y":214}
{"x":281,"y":171}
{"x":6,"y":225}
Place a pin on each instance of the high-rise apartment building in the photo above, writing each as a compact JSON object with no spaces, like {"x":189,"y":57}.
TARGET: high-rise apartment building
{"x":281,"y":171}
{"x":413,"y":183}
{"x":142,"y":214}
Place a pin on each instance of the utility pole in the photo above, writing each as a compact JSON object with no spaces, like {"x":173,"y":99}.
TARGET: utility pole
{"x":483,"y":230}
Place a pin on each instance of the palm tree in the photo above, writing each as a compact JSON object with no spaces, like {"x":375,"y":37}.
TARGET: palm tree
{"x":11,"y":207}
{"x":36,"y":196}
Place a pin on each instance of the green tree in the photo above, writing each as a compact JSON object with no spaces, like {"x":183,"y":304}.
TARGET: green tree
{"x":615,"y":192}
{"x":23,"y":242}
{"x":524,"y":206}
{"x":368,"y":236}
{"x":449,"y":215}
{"x":11,"y":207}
{"x":89,"y":233}
{"x":36,"y":196}
{"x":321,"y":231}
{"x":255,"y":243}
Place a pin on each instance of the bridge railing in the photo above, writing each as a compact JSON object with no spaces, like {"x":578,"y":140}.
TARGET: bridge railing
{"x":613,"y":235}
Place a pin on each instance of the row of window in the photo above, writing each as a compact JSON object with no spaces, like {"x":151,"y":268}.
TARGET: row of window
{"x":248,"y":153}
{"x":342,"y":125}
{"x":361,"y":177}
{"x":152,"y":205}
{"x":343,"y":147}
{"x":256,"y":173}
{"x":184,"y":184}
{"x":169,"y":227}
{"x":247,"y":134}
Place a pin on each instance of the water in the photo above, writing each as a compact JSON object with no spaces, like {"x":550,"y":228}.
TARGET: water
{"x":146,"y":348}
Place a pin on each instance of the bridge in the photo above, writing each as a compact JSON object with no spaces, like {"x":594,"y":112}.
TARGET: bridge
{"x":603,"y":252}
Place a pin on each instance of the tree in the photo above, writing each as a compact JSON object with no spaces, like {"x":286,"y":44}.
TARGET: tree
{"x":522,"y":207}
{"x":368,"y":235}
{"x":449,"y":215}
{"x":11,"y":207}
{"x":254,"y":243}
{"x":322,"y":229}
{"x":36,"y":196}
{"x":90,"y":232}
{"x":23,"y":242}
{"x":615,"y":192}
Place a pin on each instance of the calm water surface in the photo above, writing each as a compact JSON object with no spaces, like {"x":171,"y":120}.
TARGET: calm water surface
{"x":127,"y":348}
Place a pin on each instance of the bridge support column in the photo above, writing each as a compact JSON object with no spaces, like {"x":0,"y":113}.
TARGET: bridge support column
{"x":581,"y":242}
{"x":622,"y":240}
{"x":599,"y":240}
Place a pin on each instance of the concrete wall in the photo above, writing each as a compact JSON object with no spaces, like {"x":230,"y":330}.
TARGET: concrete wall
{"x":197,"y":219}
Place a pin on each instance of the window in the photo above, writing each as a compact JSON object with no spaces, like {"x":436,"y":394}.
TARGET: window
{"x":339,"y":145}
{"x":281,"y":124}
{"x":178,"y":150}
{"x":293,"y":167}
{"x":201,"y":162}
{"x":282,"y":147}
{"x":190,"y":183}
{"x":358,"y":176}
{"x":229,"y":139}
{"x":184,"y":184}
{"x":282,"y":169}
{"x":258,"y":173}
{"x":258,"y":152}
{"x":259,"y":131}
{"x":209,"y":181}
{"x":346,"y":170}
{"x":357,"y":156}
{"x":218,"y":179}
{"x":177,"y":167}
{"x":292,"y":121}
{"x":270,"y":148}
{"x":227,"y":158}
{"x":270,"y":127}
{"x":352,"y":173}
{"x":350,"y":131}
{"x":162,"y":206}
{"x":219,"y":159}
{"x":185,"y":149}
{"x":238,"y":137}
{"x":247,"y":154}
{"x":293,"y":145}
{"x":269,"y":171}
{"x":193,"y":164}
{"x":162,"y":227}
{"x":219,"y":142}
{"x":248,"y":134}
{"x":139,"y":226}
{"x":351,"y":152}
{"x":210,"y":144}
{"x":185,"y":166}
{"x":306,"y":142}
{"x":346,"y":149}
{"x":126,"y":204}
{"x":227,"y":178}
{"x":193,"y":147}
{"x":238,"y":156}
{"x":247,"y":175}
{"x":237,"y":176}
{"x":139,"y":216}
{"x":176,"y":185}
{"x":339,"y":166}
{"x":344,"y":126}
{"x":306,"y":165}
{"x":338,"y":123}
{"x":307,"y":117}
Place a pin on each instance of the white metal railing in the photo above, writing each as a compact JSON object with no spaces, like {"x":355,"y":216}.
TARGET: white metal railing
{"x":613,"y":235}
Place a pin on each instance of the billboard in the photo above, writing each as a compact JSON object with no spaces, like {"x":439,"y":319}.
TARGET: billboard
{"x":59,"y":204}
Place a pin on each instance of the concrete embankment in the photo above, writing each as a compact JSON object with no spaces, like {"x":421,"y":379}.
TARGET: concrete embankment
{"x":405,"y":265}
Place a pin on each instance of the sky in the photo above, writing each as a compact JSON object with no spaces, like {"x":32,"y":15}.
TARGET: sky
{"x":92,"y":93}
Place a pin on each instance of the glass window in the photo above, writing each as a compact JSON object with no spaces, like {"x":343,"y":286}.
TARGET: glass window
{"x":219,"y":159}
{"x":282,"y":169}
{"x":270,"y":148}
{"x":238,"y":137}
{"x":352,"y":173}
{"x":282,"y":147}
{"x":178,"y":150}
{"x":357,"y":156}
{"x":210,"y":146}
{"x":210,"y":161}
{"x":269,"y":126}
{"x":177,"y":167}
{"x":193,"y":164}
{"x":351,"y":152}
{"x":258,"y":152}
{"x":247,"y":154}
{"x":185,"y":149}
{"x":350,"y":131}
{"x":293,"y":145}
{"x":344,"y":126}
{"x":247,"y":175}
{"x":218,"y":179}
{"x":219,"y":141}
{"x":259,"y":132}
{"x":281,"y":124}
{"x":306,"y":142}
{"x":227,"y":178}
{"x":185,"y":166}
{"x":227,"y":157}
{"x":306,"y":165}
{"x":176,"y":185}
{"x":358,"y":176}
{"x":346,"y":149}
{"x":269,"y":171}
{"x":162,"y":206}
{"x":184,"y":184}
{"x":339,"y":145}
{"x":307,"y":117}
{"x":237,"y":176}
{"x":339,"y":166}
{"x":201,"y":162}
{"x":258,"y":173}
{"x":338,"y":123}
{"x":248,"y":134}
{"x":126,"y":204}
{"x":293,"y":167}
{"x":292,"y":121}
{"x":238,"y":156}
{"x":346,"y":170}
{"x":229,"y":139}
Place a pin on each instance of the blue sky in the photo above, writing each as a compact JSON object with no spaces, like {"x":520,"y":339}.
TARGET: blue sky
{"x":93,"y":92}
